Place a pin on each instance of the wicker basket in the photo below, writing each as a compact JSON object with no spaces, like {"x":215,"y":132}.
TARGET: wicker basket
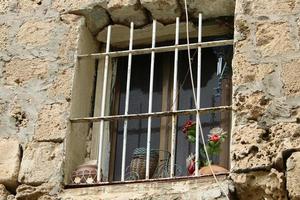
{"x":138,"y":162}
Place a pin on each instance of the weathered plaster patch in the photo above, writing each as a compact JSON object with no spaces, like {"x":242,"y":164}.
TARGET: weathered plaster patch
{"x":271,"y":40}
{"x":244,"y":71}
{"x":51,"y":123}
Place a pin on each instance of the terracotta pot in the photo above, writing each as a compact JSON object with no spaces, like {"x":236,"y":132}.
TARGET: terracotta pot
{"x":216,"y":169}
{"x":85,"y":174}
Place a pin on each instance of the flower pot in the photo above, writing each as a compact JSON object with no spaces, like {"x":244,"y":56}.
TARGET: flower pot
{"x":85,"y":174}
{"x":216,"y":169}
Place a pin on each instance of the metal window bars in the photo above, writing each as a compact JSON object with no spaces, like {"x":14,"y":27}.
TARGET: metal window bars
{"x":173,"y":113}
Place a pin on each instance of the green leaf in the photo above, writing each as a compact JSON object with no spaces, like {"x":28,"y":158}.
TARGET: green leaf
{"x":192,"y":132}
{"x":191,"y":139}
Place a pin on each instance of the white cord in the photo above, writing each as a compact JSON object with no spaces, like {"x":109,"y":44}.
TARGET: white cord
{"x":194,"y":95}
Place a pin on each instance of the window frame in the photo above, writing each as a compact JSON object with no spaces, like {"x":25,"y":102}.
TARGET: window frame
{"x":104,"y":116}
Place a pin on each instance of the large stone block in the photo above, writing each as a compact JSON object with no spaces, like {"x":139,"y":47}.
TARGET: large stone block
{"x":3,"y":192}
{"x":250,"y":148}
{"x":250,"y":105}
{"x":142,"y":36}
{"x":7,"y":5}
{"x":256,"y":147}
{"x":10,"y":154}
{"x":260,"y":185}
{"x":42,"y":162}
{"x":96,"y":17}
{"x":35,"y":33}
{"x":51,"y":123}
{"x":273,"y":39}
{"x":290,"y":77}
{"x":293,"y":176}
{"x":61,"y":87}
{"x":68,"y":43}
{"x":244,"y":71}
{"x":243,"y":36}
{"x":165,"y":11}
{"x":271,"y":7}
{"x":19,"y":71}
{"x":41,"y":192}
{"x":208,"y":8}
{"x":126,"y":11}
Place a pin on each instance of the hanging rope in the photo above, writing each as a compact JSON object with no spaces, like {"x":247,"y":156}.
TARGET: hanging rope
{"x":195,"y":100}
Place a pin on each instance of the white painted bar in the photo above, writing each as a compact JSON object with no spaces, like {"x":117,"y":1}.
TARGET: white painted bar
{"x":198,"y":94}
{"x":153,"y":114}
{"x":150,"y":98}
{"x":219,"y":66}
{"x":99,"y":174}
{"x":127,"y":103}
{"x":142,"y":51}
{"x":174,"y":103}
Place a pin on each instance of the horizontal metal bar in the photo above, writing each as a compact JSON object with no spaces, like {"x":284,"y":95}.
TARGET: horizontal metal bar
{"x":146,"y":115}
{"x":159,"y":49}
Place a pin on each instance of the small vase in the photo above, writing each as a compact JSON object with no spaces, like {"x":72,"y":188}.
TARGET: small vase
{"x":85,"y":174}
{"x":216,"y":169}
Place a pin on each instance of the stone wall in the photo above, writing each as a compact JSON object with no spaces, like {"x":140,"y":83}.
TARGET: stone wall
{"x":37,"y":47}
{"x":38,"y":41}
{"x":266,"y":99}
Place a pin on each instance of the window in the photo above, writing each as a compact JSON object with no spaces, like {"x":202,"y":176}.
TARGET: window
{"x":145,"y":96}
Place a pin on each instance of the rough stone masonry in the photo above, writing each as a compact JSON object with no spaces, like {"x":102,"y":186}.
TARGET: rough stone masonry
{"x":38,"y":41}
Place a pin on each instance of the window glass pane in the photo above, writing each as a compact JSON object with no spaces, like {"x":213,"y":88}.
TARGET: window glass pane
{"x":215,"y":91}
{"x":138,"y":103}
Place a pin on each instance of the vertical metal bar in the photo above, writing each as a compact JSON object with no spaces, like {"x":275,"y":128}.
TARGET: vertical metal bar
{"x":99,"y":171}
{"x":150,"y":98}
{"x":174,"y":103}
{"x":127,"y":102}
{"x":198,"y":95}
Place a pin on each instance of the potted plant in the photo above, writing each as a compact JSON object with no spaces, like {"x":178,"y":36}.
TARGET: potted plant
{"x":216,"y":137}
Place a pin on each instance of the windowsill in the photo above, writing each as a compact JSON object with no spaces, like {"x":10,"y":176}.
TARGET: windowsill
{"x":195,"y":187}
{"x":204,"y":178}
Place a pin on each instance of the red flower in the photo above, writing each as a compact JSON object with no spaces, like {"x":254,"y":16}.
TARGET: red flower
{"x":191,"y":167}
{"x":188,"y":124}
{"x":215,"y":138}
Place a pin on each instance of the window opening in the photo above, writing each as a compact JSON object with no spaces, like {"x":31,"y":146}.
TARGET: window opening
{"x":151,"y":118}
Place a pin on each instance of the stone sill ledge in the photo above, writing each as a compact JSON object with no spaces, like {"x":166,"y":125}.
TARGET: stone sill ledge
{"x":195,"y":187}
{"x":202,"y":178}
